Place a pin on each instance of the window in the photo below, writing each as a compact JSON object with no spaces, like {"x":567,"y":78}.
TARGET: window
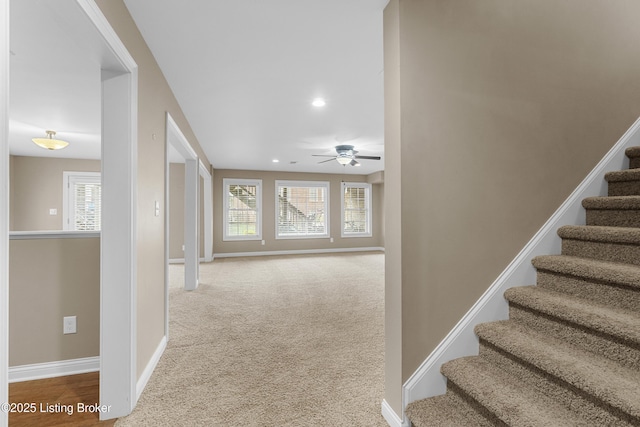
{"x":242,"y":209}
{"x":302,"y":209}
{"x":356,"y":209}
{"x":82,"y":196}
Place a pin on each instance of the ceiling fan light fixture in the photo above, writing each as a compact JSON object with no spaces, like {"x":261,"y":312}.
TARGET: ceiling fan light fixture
{"x":344,"y":159}
{"x":50,"y":143}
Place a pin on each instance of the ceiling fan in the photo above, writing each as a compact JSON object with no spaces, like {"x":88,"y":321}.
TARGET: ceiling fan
{"x":346,"y":156}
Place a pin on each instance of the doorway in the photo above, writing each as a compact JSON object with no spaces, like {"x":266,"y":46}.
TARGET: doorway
{"x":87,"y":28}
{"x":189,"y":211}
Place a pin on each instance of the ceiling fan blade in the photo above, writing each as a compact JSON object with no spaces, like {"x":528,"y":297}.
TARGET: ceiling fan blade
{"x":368,"y":157}
{"x":323,"y":155}
{"x":325,"y":161}
{"x":354,"y":163}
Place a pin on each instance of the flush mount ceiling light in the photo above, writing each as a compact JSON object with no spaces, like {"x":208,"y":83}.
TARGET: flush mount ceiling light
{"x":50,"y":143}
{"x":319,"y":102}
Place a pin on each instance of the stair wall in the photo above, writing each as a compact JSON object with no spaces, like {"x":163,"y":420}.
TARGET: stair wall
{"x":428,"y":381}
{"x":569,"y":353}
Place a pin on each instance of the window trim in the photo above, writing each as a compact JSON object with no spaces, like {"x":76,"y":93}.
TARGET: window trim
{"x":67,"y":209}
{"x":306,"y":184}
{"x":226,"y":182}
{"x":369,"y":207}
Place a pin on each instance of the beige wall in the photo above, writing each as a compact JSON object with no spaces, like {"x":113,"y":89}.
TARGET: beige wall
{"x":503,"y":107}
{"x":154,"y":100}
{"x":392,"y":208}
{"x":50,"y":279}
{"x":268,"y":214}
{"x":36,"y":187}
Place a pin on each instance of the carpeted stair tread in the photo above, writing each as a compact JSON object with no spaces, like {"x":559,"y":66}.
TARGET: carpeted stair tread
{"x":599,"y":377}
{"x":621,"y":324}
{"x":623,"y":175}
{"x":605,"y":271}
{"x":600,"y":234}
{"x":633,"y":151}
{"x":612,"y":202}
{"x":506,"y":397}
{"x":444,"y":410}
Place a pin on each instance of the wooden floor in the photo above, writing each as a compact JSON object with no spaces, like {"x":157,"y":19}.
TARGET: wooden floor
{"x":49,"y":402}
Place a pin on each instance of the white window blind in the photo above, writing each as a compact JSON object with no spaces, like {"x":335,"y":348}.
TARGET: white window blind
{"x":356,"y":209}
{"x":302,"y":209}
{"x":242,"y":209}
{"x":87,"y":207}
{"x":83,"y":201}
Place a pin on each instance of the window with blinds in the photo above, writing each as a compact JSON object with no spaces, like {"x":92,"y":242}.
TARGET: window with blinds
{"x":82,"y":201}
{"x":242,"y":209}
{"x":356,"y":209}
{"x":302,"y":209}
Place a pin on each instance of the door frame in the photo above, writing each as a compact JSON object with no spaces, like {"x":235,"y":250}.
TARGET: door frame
{"x":4,"y":207}
{"x":119,"y":180}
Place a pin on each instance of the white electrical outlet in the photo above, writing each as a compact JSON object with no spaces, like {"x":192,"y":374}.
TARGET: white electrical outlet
{"x":331,"y":240}
{"x":69,"y":325}
{"x":263,"y":243}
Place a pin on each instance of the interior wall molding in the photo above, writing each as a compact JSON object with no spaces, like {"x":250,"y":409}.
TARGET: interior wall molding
{"x":148,"y":370}
{"x":181,"y":260}
{"x":391,"y":417}
{"x":297,"y":252}
{"x":60,"y":368}
{"x":4,"y":206}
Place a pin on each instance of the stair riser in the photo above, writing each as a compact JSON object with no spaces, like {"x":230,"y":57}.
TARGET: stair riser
{"x":634,"y":162}
{"x":616,"y":252}
{"x":444,"y":410}
{"x":613,"y":218}
{"x":614,"y":295}
{"x":589,"y":340}
{"x":624,"y":188}
{"x":480,"y":414}
{"x":588,"y":405}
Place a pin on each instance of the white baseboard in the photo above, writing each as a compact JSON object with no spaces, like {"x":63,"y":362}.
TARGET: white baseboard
{"x":391,"y":417}
{"x":297,"y":252}
{"x":60,"y":368}
{"x":181,"y":260}
{"x":148,"y":370}
{"x":427,"y":381}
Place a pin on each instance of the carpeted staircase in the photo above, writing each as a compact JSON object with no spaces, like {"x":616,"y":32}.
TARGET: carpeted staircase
{"x":569,"y":355}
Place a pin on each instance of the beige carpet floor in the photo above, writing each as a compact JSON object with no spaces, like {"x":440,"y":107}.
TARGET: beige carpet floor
{"x":273,"y":341}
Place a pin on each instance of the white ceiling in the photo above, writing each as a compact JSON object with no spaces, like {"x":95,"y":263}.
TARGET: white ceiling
{"x":54,"y":80}
{"x":245,"y":73}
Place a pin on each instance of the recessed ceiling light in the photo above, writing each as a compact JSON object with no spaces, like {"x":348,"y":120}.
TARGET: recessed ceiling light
{"x":275,"y":160}
{"x":319,"y":102}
